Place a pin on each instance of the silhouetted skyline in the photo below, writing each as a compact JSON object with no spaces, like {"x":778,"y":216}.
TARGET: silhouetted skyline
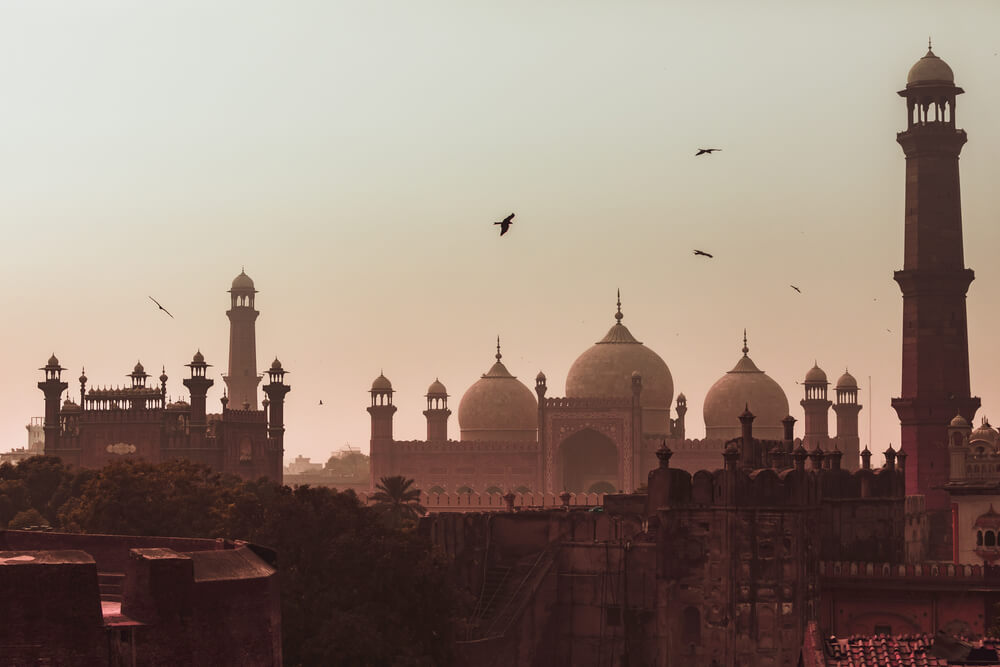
{"x":351,"y":158}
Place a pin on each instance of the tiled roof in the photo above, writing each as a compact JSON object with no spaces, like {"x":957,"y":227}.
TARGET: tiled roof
{"x":906,"y":651}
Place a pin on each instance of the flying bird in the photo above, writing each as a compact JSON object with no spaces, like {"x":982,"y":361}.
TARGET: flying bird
{"x":709,"y":151}
{"x":703,"y":253}
{"x":796,"y":289}
{"x":321,"y":401}
{"x":161,"y":307}
{"x":505,"y":224}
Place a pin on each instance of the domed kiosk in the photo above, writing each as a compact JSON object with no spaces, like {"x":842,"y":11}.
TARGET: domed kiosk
{"x":745,"y":385}
{"x":605,"y":371}
{"x":498,"y":407}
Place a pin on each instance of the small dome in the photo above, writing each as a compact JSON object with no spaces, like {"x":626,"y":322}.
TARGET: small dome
{"x":498,"y":407}
{"x":138,"y":370}
{"x":930,"y":69}
{"x":985,"y":433}
{"x":276,"y":365}
{"x":958,"y":421}
{"x":198,"y":358}
{"x":70,"y":406}
{"x":436,"y":389}
{"x":606,"y":370}
{"x":847,"y":381}
{"x":540,"y":377}
{"x":816,"y":375}
{"x":242,"y":282}
{"x":989,"y":520}
{"x":53,"y":361}
{"x":745,"y":385}
{"x":381,"y":383}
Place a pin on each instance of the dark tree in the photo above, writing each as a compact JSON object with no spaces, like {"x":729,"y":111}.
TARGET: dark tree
{"x":398,"y":501}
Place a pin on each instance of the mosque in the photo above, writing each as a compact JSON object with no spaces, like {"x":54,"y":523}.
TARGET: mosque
{"x":136,"y":421}
{"x":603,"y":434}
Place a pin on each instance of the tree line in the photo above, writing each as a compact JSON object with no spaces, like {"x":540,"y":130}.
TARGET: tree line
{"x":358,"y":585}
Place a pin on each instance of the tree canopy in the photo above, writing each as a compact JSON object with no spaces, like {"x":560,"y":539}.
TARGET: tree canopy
{"x":355,"y":590}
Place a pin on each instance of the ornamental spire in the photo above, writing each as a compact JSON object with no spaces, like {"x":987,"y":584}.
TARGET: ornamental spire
{"x":618,"y":315}
{"x":498,"y":355}
{"x":745,"y":348}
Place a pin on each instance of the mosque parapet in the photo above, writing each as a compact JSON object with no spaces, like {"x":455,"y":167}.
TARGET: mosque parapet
{"x":461,"y":502}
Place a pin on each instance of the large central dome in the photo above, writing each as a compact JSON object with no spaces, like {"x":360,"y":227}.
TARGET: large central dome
{"x":746,"y":386}
{"x":605,"y":371}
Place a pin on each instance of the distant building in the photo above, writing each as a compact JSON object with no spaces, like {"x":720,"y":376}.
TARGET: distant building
{"x":136,"y":421}
{"x":603,"y":435}
{"x":302,"y":465}
{"x":127,"y":601}
{"x":36,"y":444}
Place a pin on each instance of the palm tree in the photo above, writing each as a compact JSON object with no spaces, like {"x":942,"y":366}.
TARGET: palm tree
{"x":397,"y":500}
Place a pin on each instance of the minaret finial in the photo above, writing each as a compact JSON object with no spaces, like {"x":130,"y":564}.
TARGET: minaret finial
{"x":745,"y":348}
{"x":928,"y":42}
{"x":498,"y":349}
{"x":618,"y":315}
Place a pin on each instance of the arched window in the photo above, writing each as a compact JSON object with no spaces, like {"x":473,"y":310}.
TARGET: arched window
{"x":691,"y":626}
{"x":494,"y":489}
{"x":522,"y":489}
{"x":465,"y":489}
{"x":979,"y":538}
{"x":436,"y":489}
{"x":990,"y":539}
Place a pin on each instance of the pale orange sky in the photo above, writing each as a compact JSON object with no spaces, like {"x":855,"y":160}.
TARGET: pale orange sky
{"x":352,"y":155}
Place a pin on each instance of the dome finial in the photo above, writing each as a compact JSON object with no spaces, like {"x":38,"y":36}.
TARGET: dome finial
{"x":928,"y":42}
{"x":618,"y":315}
{"x":745,"y":348}
{"x":499,"y":356}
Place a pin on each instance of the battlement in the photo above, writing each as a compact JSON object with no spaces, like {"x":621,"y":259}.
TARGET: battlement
{"x":461,"y":502}
{"x":587,"y":403}
{"x":926,"y":572}
{"x":244,"y":416}
{"x":459,"y":446}
{"x":120,"y":416}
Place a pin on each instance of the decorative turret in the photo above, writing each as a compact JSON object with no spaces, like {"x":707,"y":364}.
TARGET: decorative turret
{"x":816,"y":407}
{"x":275,"y":390}
{"x":959,"y":430}
{"x":681,"y":408}
{"x":52,"y":387}
{"x":242,"y":378}
{"x":437,"y":412}
{"x":198,"y":385}
{"x":381,"y":411}
{"x":847,"y":409}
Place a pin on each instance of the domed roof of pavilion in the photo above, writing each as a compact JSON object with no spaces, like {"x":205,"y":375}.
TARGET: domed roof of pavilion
{"x":381,"y":383}
{"x":242,"y":281}
{"x":958,"y":421}
{"x":985,"y":433}
{"x":498,"y":407}
{"x":437,"y":389}
{"x":847,"y":381}
{"x":605,"y":369}
{"x":746,"y":386}
{"x":930,"y":70}
{"x":816,"y":375}
{"x":988,"y":519}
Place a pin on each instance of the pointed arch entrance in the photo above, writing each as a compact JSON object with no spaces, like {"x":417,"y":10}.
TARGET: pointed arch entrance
{"x":588,"y":459}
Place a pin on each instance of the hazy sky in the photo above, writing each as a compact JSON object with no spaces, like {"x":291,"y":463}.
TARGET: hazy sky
{"x":352,"y":155}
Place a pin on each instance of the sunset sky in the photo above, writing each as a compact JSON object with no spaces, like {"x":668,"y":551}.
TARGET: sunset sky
{"x":353,"y":155}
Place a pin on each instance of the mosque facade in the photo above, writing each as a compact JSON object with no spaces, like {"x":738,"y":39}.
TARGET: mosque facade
{"x":602,"y":435}
{"x":136,"y":421}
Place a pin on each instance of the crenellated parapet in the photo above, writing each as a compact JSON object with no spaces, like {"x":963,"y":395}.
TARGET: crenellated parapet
{"x":589,"y":403}
{"x":908,"y":574}
{"x":460,"y":446}
{"x":496,"y":502}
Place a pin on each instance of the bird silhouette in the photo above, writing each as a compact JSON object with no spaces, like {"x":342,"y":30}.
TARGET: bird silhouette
{"x":708,"y":151}
{"x":321,"y":401}
{"x":796,"y":289}
{"x":703,"y":253}
{"x":505,"y":224}
{"x":161,"y":307}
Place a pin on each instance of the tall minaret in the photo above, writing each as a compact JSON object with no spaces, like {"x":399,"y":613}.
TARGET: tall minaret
{"x":242,"y":379}
{"x":847,"y":409}
{"x":934,"y":280}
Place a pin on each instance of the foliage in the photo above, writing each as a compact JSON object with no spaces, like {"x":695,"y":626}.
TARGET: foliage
{"x":398,"y":501}
{"x":27,"y":519}
{"x":355,"y":590}
{"x":349,"y":465}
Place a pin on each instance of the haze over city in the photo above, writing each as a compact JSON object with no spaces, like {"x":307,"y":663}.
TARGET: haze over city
{"x":352,"y":158}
